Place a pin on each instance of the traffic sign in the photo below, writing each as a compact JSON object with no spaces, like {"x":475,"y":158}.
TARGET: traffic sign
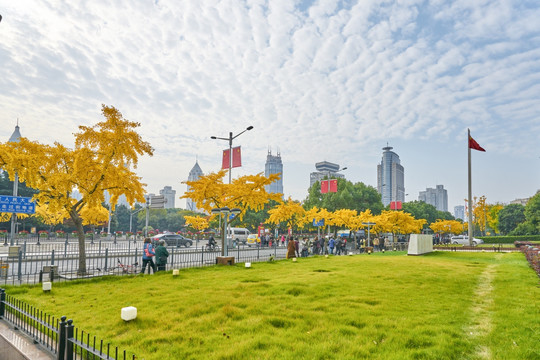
{"x":17,"y":204}
{"x":318,"y":223}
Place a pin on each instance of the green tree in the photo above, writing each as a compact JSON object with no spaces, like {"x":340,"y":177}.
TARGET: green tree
{"x":510,"y":217}
{"x":358,"y":196}
{"x":532,"y":213}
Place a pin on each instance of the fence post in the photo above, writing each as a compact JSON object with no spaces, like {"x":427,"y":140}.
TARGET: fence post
{"x":69,"y":340}
{"x":258,"y":247}
{"x":106,"y":257}
{"x":2,"y":305}
{"x":5,"y":239}
{"x":65,"y":248}
{"x":52,"y":257}
{"x":19,"y":272}
{"x":136,"y":257}
{"x":24,"y":249}
{"x":62,"y":338}
{"x":38,"y":237}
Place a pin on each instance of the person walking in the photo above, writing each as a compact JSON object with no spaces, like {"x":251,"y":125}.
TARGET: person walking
{"x":291,"y":248}
{"x":161,"y":256}
{"x":148,"y":254}
{"x":331,"y":244}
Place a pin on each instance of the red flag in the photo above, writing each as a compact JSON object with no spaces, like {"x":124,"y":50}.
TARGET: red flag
{"x":333,"y":185}
{"x":226,"y":159}
{"x":324,"y":186}
{"x":474,"y":145}
{"x":236,"y":157}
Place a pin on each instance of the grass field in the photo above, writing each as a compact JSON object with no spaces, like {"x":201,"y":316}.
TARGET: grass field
{"x":445,"y":305}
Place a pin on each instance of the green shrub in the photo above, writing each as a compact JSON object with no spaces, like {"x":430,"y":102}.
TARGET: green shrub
{"x":508,"y":239}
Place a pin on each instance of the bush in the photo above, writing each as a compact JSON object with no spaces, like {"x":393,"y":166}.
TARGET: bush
{"x":508,"y":239}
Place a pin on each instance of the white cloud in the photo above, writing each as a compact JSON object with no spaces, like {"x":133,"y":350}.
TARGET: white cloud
{"x":316,"y":79}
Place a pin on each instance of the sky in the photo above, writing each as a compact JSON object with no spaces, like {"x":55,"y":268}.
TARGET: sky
{"x":318,"y":80}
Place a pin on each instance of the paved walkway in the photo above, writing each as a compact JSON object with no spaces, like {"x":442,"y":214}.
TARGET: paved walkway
{"x":15,"y":345}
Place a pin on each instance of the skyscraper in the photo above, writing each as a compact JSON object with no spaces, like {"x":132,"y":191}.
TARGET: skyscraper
{"x":274,"y":165}
{"x":459,"y":212}
{"x":390,"y":177}
{"x":437,"y":197}
{"x":325,"y":169}
{"x":194,"y":175}
{"x":169,"y":195}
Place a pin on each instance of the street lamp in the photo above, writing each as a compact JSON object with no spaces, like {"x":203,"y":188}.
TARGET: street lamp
{"x":368,"y":225}
{"x":131,"y":213}
{"x":225,"y":211}
{"x":230,"y":139}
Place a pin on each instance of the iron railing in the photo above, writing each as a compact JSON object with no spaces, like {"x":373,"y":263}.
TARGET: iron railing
{"x":57,"y":336}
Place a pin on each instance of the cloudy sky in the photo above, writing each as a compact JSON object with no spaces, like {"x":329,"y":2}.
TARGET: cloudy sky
{"x":319,"y":80}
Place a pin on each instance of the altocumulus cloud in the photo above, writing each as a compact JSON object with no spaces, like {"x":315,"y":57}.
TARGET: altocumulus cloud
{"x":311,"y":76}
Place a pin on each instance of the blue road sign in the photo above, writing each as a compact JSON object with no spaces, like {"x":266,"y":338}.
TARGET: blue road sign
{"x":17,"y":204}
{"x":318,"y":223}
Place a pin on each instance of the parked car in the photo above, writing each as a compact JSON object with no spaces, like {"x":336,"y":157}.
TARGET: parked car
{"x":173,"y":240}
{"x":253,"y":239}
{"x":464,"y":240}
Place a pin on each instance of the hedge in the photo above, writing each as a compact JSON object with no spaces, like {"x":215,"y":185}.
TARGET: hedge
{"x":508,"y":239}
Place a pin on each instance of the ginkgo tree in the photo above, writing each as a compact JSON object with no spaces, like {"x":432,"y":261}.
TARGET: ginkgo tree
{"x":104,"y":159}
{"x":245,"y":192}
{"x":290,"y":212}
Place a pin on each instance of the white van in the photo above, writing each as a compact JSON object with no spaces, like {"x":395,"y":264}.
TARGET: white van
{"x":238,"y":235}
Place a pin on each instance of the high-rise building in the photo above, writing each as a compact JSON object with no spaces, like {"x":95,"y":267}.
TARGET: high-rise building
{"x":194,"y":175}
{"x":437,"y":197}
{"x":169,"y":195}
{"x":325,"y":169}
{"x":274,"y":165}
{"x":459,"y":212}
{"x":390,"y":177}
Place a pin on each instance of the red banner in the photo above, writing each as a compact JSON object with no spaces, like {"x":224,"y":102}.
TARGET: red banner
{"x":395,"y":205}
{"x":324,"y":186}
{"x":226,"y":159}
{"x":236,"y":157}
{"x":333,"y":185}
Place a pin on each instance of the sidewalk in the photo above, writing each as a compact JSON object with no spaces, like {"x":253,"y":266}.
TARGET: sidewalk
{"x":14,"y":345}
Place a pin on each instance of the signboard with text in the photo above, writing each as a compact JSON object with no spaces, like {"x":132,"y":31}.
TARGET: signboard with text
{"x":16,"y":204}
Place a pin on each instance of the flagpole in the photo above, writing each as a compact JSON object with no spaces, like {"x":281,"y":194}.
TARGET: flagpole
{"x":470,"y":227}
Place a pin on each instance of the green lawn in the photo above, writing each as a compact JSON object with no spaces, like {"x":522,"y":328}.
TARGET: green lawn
{"x":445,"y":305}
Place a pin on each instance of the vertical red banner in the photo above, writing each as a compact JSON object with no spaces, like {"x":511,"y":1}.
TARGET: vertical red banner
{"x":226,"y":159}
{"x":333,"y":185}
{"x":324,"y":186}
{"x":236,"y":157}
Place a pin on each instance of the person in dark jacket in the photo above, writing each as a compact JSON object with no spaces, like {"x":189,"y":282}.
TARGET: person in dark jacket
{"x":291,"y":249}
{"x":161,"y":256}
{"x":148,"y":254}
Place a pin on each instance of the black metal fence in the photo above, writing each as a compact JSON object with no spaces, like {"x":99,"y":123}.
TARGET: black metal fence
{"x":31,"y":262}
{"x":57,"y":336}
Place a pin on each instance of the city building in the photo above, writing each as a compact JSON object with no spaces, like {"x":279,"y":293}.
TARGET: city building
{"x":459,"y":212}
{"x":169,"y":194}
{"x":325,"y":169}
{"x":194,"y":175}
{"x":274,"y":165}
{"x":390,"y":177}
{"x":437,"y":197}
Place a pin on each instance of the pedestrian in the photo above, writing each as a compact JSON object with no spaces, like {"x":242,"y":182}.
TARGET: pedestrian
{"x":331,"y":244}
{"x":161,"y":256}
{"x":344,"y":246}
{"x":376,"y":243}
{"x":148,"y":254}
{"x":291,"y":248}
{"x":339,"y":246}
{"x":282,"y":240}
{"x":314,"y":246}
{"x":297,"y":247}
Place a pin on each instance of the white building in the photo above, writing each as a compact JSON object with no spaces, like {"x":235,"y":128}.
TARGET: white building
{"x":437,"y":197}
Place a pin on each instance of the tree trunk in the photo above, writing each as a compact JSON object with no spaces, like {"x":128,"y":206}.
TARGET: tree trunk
{"x":82,"y":242}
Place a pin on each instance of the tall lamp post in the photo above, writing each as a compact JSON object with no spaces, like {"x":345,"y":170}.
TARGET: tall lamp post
{"x":230,"y":139}
{"x":368,"y":225}
{"x":328,"y":192}
{"x":14,"y":138}
{"x":225,"y":211}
